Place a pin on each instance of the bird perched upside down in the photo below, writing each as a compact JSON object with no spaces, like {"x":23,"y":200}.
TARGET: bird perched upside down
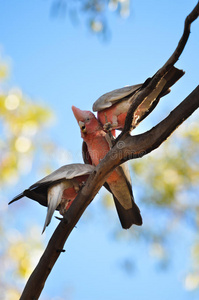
{"x":58,"y":189}
{"x":112,"y":107}
{"x":118,"y":182}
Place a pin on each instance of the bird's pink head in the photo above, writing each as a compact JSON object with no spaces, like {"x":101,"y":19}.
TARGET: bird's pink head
{"x":86,"y":121}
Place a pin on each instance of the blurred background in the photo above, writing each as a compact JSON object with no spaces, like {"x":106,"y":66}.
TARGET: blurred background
{"x":58,"y":53}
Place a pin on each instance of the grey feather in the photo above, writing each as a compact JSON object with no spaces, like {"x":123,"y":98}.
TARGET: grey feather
{"x":48,"y":191}
{"x":54,"y":198}
{"x":115,"y":96}
{"x":110,"y":98}
{"x":65,"y":172}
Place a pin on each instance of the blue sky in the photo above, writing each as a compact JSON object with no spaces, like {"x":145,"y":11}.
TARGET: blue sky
{"x":60,"y":64}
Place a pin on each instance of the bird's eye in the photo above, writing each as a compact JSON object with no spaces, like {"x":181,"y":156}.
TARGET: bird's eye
{"x":88,"y":119}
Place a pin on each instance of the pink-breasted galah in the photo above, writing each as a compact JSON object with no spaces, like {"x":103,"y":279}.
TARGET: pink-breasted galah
{"x":58,"y":190}
{"x":112,"y":107}
{"x":119,"y":181}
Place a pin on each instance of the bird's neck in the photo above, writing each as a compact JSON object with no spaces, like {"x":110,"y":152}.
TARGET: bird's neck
{"x":97,"y":146}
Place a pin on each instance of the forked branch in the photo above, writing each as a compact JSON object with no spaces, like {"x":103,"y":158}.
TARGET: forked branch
{"x":162,"y":71}
{"x":133,"y":147}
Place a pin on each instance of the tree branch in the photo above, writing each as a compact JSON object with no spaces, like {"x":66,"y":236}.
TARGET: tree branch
{"x":132,"y":147}
{"x":140,"y":145}
{"x":127,"y":148}
{"x":161,"y":72}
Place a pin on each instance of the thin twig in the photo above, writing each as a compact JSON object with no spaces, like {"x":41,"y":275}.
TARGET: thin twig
{"x":161,"y":72}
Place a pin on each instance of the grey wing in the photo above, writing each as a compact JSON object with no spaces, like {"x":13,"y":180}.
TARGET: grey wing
{"x":110,"y":98}
{"x":65,"y":172}
{"x":38,"y":191}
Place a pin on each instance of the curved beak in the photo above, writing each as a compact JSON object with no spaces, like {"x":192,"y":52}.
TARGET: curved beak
{"x":82,"y":126}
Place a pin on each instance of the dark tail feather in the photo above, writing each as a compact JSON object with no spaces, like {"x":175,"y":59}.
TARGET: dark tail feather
{"x":16,"y":198}
{"x":31,"y":194}
{"x":128,"y":217}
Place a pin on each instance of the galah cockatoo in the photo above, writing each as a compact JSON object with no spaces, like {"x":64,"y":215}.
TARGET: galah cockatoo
{"x":58,"y":189}
{"x":112,"y":107}
{"x":119,"y":181}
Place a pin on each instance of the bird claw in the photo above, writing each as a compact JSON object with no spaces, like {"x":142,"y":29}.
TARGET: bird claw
{"x":76,"y":185}
{"x":107,"y":126}
{"x":77,"y":188}
{"x":58,"y":218}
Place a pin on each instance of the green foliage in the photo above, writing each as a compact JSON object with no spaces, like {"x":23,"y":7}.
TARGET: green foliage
{"x":22,"y":122}
{"x":170,"y":173}
{"x":23,"y":138}
{"x":18,"y":257}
